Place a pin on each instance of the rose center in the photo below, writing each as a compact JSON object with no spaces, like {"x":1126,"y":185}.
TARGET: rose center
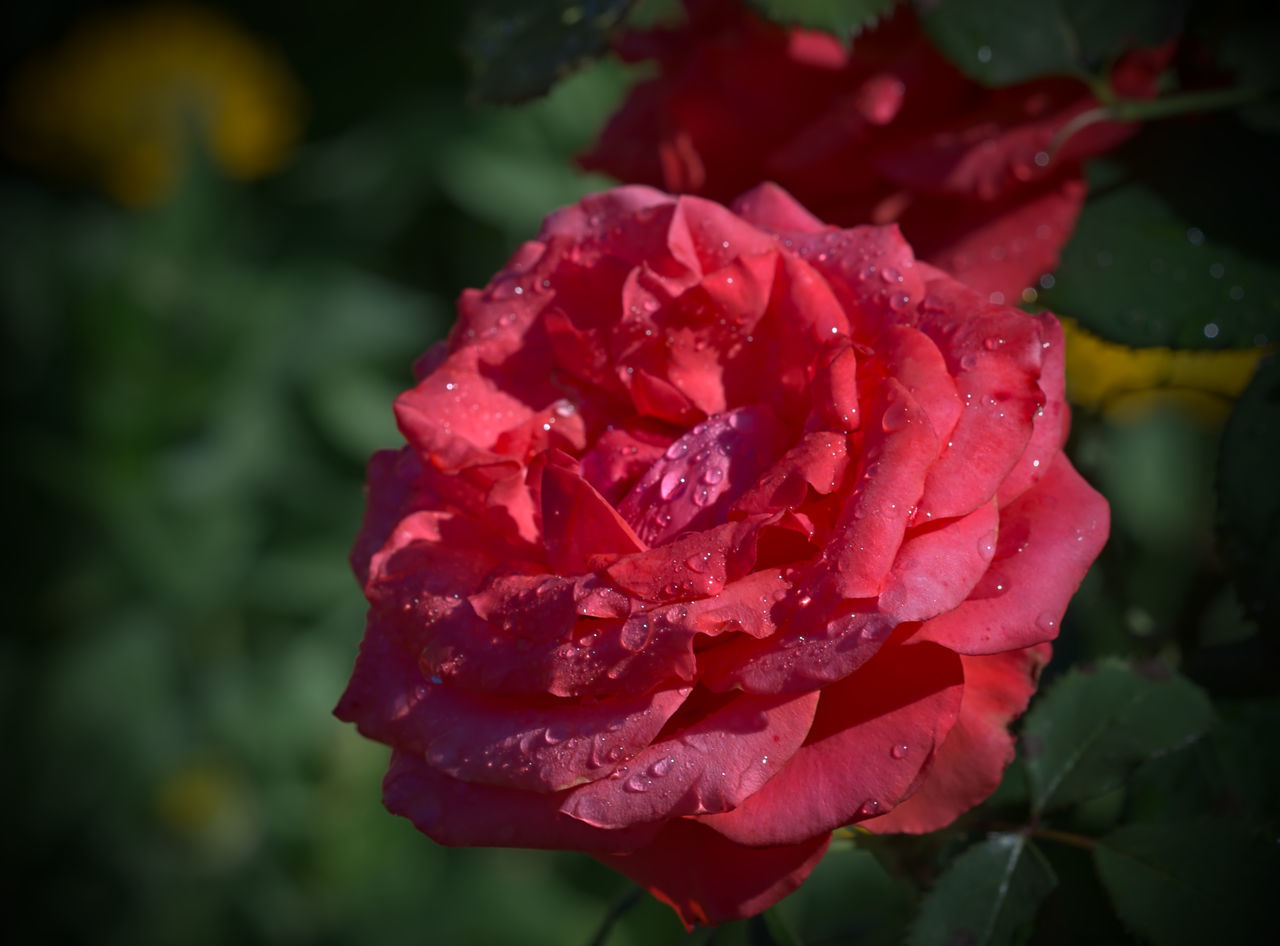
{"x":693,"y":484}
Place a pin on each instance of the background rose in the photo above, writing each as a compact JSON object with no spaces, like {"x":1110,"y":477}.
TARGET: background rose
{"x":715,"y":531}
{"x":883,"y":130}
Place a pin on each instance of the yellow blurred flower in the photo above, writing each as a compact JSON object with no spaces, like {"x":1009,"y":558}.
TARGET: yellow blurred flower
{"x":125,"y":96}
{"x":1122,"y":381}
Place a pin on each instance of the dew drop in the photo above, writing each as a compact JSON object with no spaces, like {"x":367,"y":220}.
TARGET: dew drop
{"x":896,"y":416}
{"x":1047,"y":622}
{"x":987,"y":546}
{"x":672,"y":483}
{"x":637,"y":783}
{"x":868,"y":808}
{"x":661,"y":767}
{"x":992,"y":342}
{"x":900,"y":751}
{"x":984,"y":54}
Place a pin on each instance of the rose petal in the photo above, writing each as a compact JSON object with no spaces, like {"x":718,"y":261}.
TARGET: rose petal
{"x":711,"y":766}
{"x":937,"y":567}
{"x":1001,"y":248}
{"x":968,"y":766}
{"x":577,"y":521}
{"x":1027,"y":587}
{"x":996,"y":357}
{"x":897,"y":458}
{"x":1050,"y":425}
{"x":872,"y":735}
{"x":457,"y":813}
{"x":692,"y":485}
{"x":771,"y":208}
{"x":542,"y":746}
{"x":710,"y":880}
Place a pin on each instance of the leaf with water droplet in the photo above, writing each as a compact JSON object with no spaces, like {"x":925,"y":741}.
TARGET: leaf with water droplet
{"x":516,"y":50}
{"x":1092,"y":728}
{"x":988,"y":896}
{"x":1002,"y":42}
{"x":1158,"y":259}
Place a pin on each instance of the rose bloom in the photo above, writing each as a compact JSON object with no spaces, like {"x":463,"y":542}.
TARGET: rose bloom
{"x":716,"y":530}
{"x":883,"y":131}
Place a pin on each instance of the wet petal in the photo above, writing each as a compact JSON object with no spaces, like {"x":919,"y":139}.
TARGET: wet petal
{"x":971,"y":761}
{"x":1059,"y":526}
{"x":713,"y":765}
{"x":708,"y":879}
{"x":854,"y":764}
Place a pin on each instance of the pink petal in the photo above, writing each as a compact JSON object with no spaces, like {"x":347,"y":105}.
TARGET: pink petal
{"x":771,"y":208}
{"x":577,"y":521}
{"x":937,"y":567}
{"x":996,"y":357}
{"x":1000,"y":248}
{"x":897,"y":457}
{"x":463,"y":814}
{"x":873,"y":734}
{"x":811,"y":649}
{"x":712,"y":766}
{"x":711,"y":880}
{"x":971,"y":761}
{"x":541,"y":746}
{"x":692,"y":485}
{"x":1051,"y":425}
{"x":1049,"y":536}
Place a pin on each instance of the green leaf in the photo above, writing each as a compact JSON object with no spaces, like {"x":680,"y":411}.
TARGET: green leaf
{"x":1159,"y":258}
{"x":989,"y":895}
{"x":1192,"y":883}
{"x":1001,"y":42}
{"x":1090,"y":729}
{"x":1248,"y":502}
{"x":844,"y":18}
{"x":518,"y":48}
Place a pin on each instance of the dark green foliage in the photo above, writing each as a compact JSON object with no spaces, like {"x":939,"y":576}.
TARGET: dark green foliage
{"x":988,"y":896}
{"x":1000,"y":42}
{"x":844,"y":18}
{"x":1093,"y":727}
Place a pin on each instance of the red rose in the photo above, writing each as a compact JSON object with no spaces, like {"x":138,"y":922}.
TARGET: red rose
{"x":716,"y":530}
{"x":885,"y":131}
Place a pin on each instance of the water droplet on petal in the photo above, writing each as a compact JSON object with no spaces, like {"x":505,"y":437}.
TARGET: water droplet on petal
{"x":900,"y":751}
{"x":868,"y":808}
{"x":896,"y":416}
{"x":637,"y":783}
{"x":987,"y":546}
{"x":1047,"y":622}
{"x":661,"y":767}
{"x":672,"y":484}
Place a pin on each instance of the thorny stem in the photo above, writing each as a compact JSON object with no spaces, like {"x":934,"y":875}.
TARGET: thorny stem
{"x":1168,"y":106}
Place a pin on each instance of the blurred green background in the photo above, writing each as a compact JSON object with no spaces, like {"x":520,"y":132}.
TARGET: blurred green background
{"x":201,"y":350}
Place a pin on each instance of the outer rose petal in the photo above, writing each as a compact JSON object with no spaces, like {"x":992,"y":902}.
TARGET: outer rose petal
{"x":1059,"y":527}
{"x":873,"y":734}
{"x":969,"y":765}
{"x":709,"y":879}
{"x":771,"y":208}
{"x":457,"y":813}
